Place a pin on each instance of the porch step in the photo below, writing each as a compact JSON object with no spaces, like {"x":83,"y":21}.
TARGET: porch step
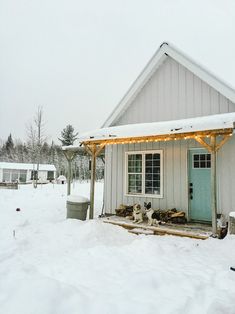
{"x":141,"y":231}
{"x":157,"y":230}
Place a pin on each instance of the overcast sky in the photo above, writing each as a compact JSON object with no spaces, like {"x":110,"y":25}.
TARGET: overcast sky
{"x":78,"y":58}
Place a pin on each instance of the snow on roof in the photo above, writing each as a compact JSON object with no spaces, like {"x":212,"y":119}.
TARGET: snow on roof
{"x":205,"y":123}
{"x":24,"y":166}
{"x":165,"y":50}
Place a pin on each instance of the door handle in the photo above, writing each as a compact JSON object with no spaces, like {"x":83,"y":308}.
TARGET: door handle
{"x":191,"y":190}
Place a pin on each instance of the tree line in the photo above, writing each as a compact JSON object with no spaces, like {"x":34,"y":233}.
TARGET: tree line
{"x":37,"y":150}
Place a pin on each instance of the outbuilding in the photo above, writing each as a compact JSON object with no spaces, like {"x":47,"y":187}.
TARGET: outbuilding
{"x":170,"y":141}
{"x":26,"y":173}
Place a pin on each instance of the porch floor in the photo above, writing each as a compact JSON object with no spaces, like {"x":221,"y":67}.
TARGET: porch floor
{"x":190,"y":230}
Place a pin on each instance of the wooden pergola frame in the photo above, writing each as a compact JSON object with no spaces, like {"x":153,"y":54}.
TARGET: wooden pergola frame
{"x":209,"y":139}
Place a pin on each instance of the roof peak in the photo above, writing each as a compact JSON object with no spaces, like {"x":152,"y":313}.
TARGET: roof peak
{"x":165,"y":50}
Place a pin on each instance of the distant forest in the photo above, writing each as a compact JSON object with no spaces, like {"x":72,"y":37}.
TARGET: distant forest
{"x":17,"y":151}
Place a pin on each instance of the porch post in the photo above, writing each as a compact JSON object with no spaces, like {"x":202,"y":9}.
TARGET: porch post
{"x":92,"y":184}
{"x":69,"y":156}
{"x":69,"y":178}
{"x":213,"y":185}
{"x":94,"y":150}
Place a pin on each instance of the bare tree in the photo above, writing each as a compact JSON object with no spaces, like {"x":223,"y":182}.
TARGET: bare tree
{"x":36,"y":138}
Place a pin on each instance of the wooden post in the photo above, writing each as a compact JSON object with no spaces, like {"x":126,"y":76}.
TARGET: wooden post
{"x":69,"y":156}
{"x":92,"y":184}
{"x":69,"y":177}
{"x":213,"y":185}
{"x":94,"y":150}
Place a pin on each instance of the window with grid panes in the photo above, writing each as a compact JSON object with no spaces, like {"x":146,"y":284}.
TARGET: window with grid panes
{"x":135,"y":173}
{"x":144,"y":172}
{"x":201,"y":161}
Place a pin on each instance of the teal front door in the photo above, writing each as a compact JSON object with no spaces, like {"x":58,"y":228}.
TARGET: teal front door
{"x":199,"y":185}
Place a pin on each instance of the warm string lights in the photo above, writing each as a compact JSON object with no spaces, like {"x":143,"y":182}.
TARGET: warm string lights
{"x":169,"y":137}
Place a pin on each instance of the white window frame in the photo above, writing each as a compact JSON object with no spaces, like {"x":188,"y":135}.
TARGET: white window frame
{"x":143,"y":153}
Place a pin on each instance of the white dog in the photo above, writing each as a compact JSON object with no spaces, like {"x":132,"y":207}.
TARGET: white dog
{"x":153,"y":217}
{"x":137,"y":213}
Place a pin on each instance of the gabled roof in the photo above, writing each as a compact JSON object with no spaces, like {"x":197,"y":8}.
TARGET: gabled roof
{"x":162,"y":53}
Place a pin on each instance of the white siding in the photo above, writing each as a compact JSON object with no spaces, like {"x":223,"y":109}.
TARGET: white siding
{"x":175,"y":190}
{"x":172,"y":93}
{"x":174,"y":175}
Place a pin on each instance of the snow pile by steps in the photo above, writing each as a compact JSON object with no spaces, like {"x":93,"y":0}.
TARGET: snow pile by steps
{"x":58,"y":266}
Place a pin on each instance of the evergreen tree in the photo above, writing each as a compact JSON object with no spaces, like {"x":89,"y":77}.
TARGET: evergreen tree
{"x":9,"y":144}
{"x":67,"y":136}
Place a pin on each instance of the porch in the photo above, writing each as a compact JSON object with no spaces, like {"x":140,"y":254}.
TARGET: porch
{"x":210,"y":132}
{"x":189,"y":230}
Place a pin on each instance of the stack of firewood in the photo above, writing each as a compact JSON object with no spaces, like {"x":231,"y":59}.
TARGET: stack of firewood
{"x":171,"y":215}
{"x":124,"y":210}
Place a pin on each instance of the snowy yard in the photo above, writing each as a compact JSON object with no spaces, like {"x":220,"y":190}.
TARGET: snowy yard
{"x":59,"y":266}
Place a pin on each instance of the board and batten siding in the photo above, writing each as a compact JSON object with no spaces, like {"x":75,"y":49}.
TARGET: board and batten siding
{"x":174,"y":175}
{"x":172,"y":93}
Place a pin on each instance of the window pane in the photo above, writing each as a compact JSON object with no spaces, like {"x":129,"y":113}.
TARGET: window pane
{"x":135,"y":163}
{"x":34,"y":174}
{"x":201,"y":161}
{"x":148,"y":191}
{"x":149,"y":163}
{"x":22,"y":177}
{"x":202,"y":157}
{"x":148,"y":176}
{"x":135,"y":183}
{"x":15,"y":175}
{"x":6,"y":176}
{"x":156,"y":162}
{"x":152,"y":174}
{"x":156,"y":156}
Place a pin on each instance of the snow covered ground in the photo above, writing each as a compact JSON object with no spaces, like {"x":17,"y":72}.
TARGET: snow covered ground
{"x":59,"y":266}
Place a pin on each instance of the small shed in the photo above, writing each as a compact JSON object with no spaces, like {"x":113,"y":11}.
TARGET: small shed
{"x":61,"y":179}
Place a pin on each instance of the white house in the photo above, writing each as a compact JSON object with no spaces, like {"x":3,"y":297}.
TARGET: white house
{"x":25,"y":173}
{"x":170,"y":140}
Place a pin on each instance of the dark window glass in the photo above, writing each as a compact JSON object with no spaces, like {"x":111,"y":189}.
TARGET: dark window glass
{"x":201,"y":161}
{"x":202,"y":157}
{"x":50,"y":175}
{"x":34,"y":175}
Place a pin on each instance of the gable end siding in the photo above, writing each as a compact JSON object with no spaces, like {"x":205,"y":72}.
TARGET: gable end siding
{"x":172,"y":93}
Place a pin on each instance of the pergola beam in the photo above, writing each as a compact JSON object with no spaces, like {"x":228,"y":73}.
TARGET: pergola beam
{"x":203,"y":143}
{"x":222,"y":142}
{"x":158,"y":138}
